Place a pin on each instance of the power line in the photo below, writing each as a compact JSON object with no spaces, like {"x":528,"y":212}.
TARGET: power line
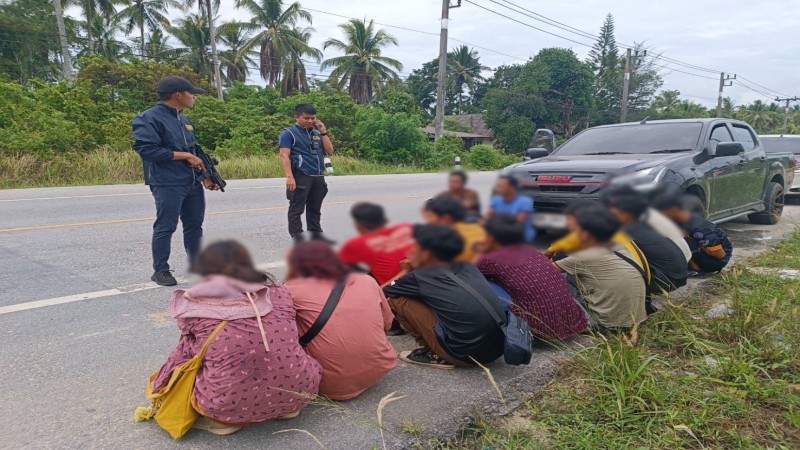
{"x":527,"y":24}
{"x":544,"y":19}
{"x":418,"y":31}
{"x":750,"y":88}
{"x":763,"y":87}
{"x":684,"y":72}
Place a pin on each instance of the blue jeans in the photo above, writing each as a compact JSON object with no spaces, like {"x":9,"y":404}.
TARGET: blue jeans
{"x":187,"y":203}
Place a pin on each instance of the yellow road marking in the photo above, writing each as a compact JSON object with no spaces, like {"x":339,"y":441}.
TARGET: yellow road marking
{"x":214,"y":213}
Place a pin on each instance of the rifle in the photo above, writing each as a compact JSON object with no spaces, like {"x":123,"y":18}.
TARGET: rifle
{"x":211,"y":168}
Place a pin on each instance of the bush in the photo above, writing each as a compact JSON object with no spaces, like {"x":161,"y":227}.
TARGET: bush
{"x":485,"y":157}
{"x":444,"y":152}
{"x":390,"y":138}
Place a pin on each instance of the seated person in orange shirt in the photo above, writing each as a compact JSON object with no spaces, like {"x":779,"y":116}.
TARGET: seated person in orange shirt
{"x":447,"y":211}
{"x":378,"y":246}
{"x":351,"y":347}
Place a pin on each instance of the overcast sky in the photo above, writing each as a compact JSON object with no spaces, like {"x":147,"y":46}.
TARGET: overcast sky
{"x":759,"y":40}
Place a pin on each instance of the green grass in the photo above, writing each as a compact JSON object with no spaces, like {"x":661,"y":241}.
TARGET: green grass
{"x":688,"y":382}
{"x":104,"y":166}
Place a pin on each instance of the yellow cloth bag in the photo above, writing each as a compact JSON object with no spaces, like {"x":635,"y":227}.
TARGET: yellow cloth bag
{"x":172,"y":405}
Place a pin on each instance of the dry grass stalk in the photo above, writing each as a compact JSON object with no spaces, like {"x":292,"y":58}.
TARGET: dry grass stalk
{"x":388,"y":398}
{"x":304,"y":432}
{"x":491,"y":379}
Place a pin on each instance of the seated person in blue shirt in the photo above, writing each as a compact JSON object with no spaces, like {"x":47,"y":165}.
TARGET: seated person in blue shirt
{"x":508,"y":200}
{"x":711,"y":248}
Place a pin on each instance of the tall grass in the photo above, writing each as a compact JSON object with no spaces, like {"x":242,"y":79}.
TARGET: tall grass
{"x":690,"y":382}
{"x":105,"y":166}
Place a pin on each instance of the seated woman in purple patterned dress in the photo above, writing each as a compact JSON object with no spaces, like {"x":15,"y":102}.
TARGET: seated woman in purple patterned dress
{"x":255,"y":370}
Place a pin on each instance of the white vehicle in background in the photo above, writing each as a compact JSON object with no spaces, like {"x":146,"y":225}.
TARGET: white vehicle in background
{"x":782,"y":143}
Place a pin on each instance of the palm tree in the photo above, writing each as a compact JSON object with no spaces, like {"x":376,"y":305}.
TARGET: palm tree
{"x":277,"y":37}
{"x":294,"y":77}
{"x":728,"y":108}
{"x":464,"y":69}
{"x":107,"y":9}
{"x":690,"y":109}
{"x":759,"y":115}
{"x":156,"y":47}
{"x":240,"y":52}
{"x":62,"y":36}
{"x":149,"y":13}
{"x":105,"y":42}
{"x":667,"y":101}
{"x":362,"y":68}
{"x":192,"y":32}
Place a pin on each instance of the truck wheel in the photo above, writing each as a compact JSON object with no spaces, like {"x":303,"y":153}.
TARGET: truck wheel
{"x":694,"y":204}
{"x":774,"y":202}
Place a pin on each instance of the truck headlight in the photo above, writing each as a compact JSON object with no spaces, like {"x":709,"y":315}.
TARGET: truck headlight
{"x":642,"y":179}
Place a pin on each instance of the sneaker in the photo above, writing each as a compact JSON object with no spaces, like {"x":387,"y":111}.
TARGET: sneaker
{"x":323,"y":238}
{"x":291,"y":416}
{"x":298,"y":238}
{"x":695,"y":274}
{"x":396,"y":329}
{"x":164,"y":279}
{"x":214,"y":427}
{"x":426,"y":357}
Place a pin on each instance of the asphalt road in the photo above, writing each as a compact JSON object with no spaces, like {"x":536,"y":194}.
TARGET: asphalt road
{"x":83,"y":328}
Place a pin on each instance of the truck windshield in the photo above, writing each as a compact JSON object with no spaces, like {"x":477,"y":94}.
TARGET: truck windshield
{"x":634,"y":139}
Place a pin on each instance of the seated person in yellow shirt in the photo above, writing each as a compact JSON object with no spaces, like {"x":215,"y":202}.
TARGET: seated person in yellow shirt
{"x":448,"y":211}
{"x":572,"y":243}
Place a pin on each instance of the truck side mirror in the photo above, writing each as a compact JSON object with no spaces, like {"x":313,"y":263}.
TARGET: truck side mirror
{"x":728,"y":149}
{"x":536,"y":153}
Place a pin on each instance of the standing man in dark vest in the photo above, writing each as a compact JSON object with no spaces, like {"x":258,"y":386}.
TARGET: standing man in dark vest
{"x":303,"y":149}
{"x":165,"y":140}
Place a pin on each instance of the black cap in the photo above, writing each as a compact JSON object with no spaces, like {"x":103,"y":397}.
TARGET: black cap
{"x":169,"y":85}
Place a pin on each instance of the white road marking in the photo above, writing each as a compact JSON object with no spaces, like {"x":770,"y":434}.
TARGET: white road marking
{"x":104,"y":293}
{"x":128,"y":194}
{"x":103,"y":333}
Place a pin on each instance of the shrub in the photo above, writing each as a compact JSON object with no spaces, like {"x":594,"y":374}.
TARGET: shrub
{"x":390,"y":138}
{"x":484,"y":157}
{"x":444,"y":152}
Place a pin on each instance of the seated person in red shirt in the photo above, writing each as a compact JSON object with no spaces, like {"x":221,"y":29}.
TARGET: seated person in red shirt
{"x":539,"y":292}
{"x":379,"y":246}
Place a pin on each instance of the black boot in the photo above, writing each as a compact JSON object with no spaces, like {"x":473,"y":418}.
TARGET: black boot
{"x":321,"y":237}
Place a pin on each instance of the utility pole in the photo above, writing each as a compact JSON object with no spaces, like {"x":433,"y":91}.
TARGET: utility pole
{"x":786,"y":110}
{"x":626,"y":82}
{"x":626,"y":86}
{"x":440,"y":88}
{"x":212,"y":32}
{"x":723,"y":83}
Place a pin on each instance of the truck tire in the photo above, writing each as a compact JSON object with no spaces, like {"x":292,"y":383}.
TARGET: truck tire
{"x":694,"y":203}
{"x":774,"y":198}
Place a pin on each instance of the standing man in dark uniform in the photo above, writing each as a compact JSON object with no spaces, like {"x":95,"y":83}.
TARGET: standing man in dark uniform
{"x":165,"y":140}
{"x":303,"y":148}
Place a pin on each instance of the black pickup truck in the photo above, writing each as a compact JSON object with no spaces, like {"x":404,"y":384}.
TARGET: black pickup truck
{"x":718,"y":165}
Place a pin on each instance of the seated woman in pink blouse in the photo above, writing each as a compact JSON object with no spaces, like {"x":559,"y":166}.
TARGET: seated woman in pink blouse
{"x":254,"y":370}
{"x":352,"y":346}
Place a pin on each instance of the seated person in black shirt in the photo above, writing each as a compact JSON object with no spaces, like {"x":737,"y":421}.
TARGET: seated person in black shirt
{"x":451,"y":326}
{"x":711,"y":248}
{"x":667,"y":264}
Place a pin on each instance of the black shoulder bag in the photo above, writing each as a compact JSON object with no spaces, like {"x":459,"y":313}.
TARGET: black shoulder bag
{"x":518,"y":346}
{"x":325,"y":314}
